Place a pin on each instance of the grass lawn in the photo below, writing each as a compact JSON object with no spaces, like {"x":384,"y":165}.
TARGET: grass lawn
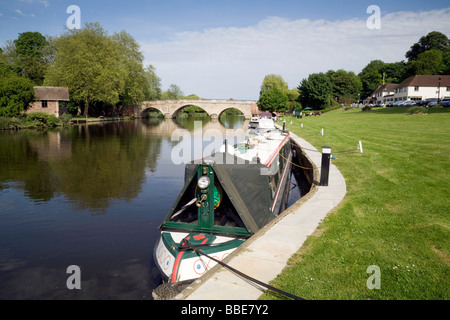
{"x":395,"y":215}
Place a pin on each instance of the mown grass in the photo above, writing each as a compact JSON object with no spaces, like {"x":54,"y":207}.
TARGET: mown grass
{"x":395,"y":214}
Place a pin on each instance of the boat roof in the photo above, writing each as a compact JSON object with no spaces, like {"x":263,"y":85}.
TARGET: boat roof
{"x":245,"y":173}
{"x":245,"y":177}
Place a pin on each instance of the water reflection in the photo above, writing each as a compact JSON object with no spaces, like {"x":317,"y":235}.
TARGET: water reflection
{"x":89,"y":195}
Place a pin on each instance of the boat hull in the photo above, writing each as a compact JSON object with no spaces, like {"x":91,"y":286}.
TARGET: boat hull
{"x":178,"y":264}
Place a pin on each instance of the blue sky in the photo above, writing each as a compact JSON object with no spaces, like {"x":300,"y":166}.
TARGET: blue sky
{"x":223,"y":49}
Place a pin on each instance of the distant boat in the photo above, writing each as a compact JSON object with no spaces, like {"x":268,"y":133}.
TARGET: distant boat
{"x":253,"y":123}
{"x":226,"y":198}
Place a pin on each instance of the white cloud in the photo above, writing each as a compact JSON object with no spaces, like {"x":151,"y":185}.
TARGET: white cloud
{"x":232,"y":62}
{"x":45,"y":3}
{"x":19,"y":12}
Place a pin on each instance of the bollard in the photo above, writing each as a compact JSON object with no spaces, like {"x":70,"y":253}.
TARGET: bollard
{"x":284,"y":125}
{"x":325,"y":168}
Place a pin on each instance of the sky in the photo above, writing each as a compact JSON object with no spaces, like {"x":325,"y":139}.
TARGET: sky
{"x":224,"y":49}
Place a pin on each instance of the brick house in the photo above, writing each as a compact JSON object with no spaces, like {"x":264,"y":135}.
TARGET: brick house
{"x":51,"y":100}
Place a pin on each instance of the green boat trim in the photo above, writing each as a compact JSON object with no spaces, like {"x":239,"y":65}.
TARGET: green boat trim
{"x":207,"y":248}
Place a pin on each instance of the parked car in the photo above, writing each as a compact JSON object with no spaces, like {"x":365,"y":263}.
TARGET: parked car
{"x":410,"y":103}
{"x":422,"y":102}
{"x":445,"y":104}
{"x":397,"y":103}
{"x":432,"y":103}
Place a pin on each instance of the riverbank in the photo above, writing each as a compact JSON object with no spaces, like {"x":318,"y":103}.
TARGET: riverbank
{"x":37,"y":120}
{"x":394,"y":215}
{"x":82,"y":120}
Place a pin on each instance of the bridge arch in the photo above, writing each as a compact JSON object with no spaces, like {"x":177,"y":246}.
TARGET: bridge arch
{"x":145,"y":112}
{"x":231,"y":108}
{"x":176,"y":112}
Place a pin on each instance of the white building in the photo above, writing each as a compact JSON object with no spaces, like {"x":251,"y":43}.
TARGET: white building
{"x":418,"y":87}
{"x":386,"y":90}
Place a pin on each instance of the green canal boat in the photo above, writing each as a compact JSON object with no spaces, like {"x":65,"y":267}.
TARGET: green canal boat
{"x":227,"y":197}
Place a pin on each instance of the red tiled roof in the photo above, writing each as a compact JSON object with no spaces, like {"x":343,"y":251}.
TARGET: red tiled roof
{"x":426,"y":81}
{"x":386,"y":87}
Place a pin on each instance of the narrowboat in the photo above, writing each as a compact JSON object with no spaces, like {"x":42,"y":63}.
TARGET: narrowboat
{"x":227,"y":197}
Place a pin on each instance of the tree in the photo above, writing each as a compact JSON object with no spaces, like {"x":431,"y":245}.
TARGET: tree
{"x":16,"y":94}
{"x":371,"y":77}
{"x":427,"y":63}
{"x":273,"y":100}
{"x":315,"y":92}
{"x":274,"y":81}
{"x":26,"y":56}
{"x":91,"y":64}
{"x":433,"y":40}
{"x":154,"y":84}
{"x":173,"y":93}
{"x":346,"y":85}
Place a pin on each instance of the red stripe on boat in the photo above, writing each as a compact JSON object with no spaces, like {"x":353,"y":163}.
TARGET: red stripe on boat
{"x":272,"y":156}
{"x":175,"y":266}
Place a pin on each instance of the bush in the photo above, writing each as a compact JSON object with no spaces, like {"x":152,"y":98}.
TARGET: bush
{"x":36,"y":120}
{"x":366,"y":108}
{"x":65,"y":119}
{"x":10,"y":123}
{"x":41,"y":120}
{"x":416,"y":110}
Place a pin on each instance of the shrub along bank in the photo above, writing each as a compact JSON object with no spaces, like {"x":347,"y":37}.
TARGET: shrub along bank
{"x":37,"y":120}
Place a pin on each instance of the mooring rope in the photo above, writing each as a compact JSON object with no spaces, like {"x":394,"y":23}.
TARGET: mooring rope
{"x":184,"y":208}
{"x":186,"y":245}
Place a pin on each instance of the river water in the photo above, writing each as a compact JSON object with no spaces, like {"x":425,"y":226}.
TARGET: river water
{"x":91,"y":196}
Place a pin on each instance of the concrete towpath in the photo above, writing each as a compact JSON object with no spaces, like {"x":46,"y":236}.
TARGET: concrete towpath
{"x":265,"y":255}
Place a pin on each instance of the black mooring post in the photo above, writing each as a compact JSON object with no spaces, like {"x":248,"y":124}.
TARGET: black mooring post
{"x":226,"y":152}
{"x":284,"y":125}
{"x":325,"y":168}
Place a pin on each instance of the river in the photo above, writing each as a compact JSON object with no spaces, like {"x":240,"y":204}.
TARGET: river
{"x":91,"y":196}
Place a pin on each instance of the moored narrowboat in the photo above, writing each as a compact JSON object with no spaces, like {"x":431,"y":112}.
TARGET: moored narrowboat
{"x":227,"y":197}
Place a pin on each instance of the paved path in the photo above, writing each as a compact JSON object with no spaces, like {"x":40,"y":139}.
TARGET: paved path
{"x":266,"y":254}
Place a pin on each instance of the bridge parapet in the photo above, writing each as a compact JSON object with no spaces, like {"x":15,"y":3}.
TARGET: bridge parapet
{"x":214,"y":108}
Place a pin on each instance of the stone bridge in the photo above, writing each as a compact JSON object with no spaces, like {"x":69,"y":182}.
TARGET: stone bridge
{"x":170,"y":108}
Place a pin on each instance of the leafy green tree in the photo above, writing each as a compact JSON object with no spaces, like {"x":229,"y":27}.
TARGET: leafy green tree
{"x":274,"y":81}
{"x":371,"y":77}
{"x":91,"y":64}
{"x":393,"y":72}
{"x":173,"y":93}
{"x":154,"y":84}
{"x":346,"y":85}
{"x":315,"y":92}
{"x":292,"y":94}
{"x":433,"y":40}
{"x":427,"y":63}
{"x":27,"y":56}
{"x":16,"y":94}
{"x":273,"y":100}
{"x":446,"y":60}
{"x":136,"y":83}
